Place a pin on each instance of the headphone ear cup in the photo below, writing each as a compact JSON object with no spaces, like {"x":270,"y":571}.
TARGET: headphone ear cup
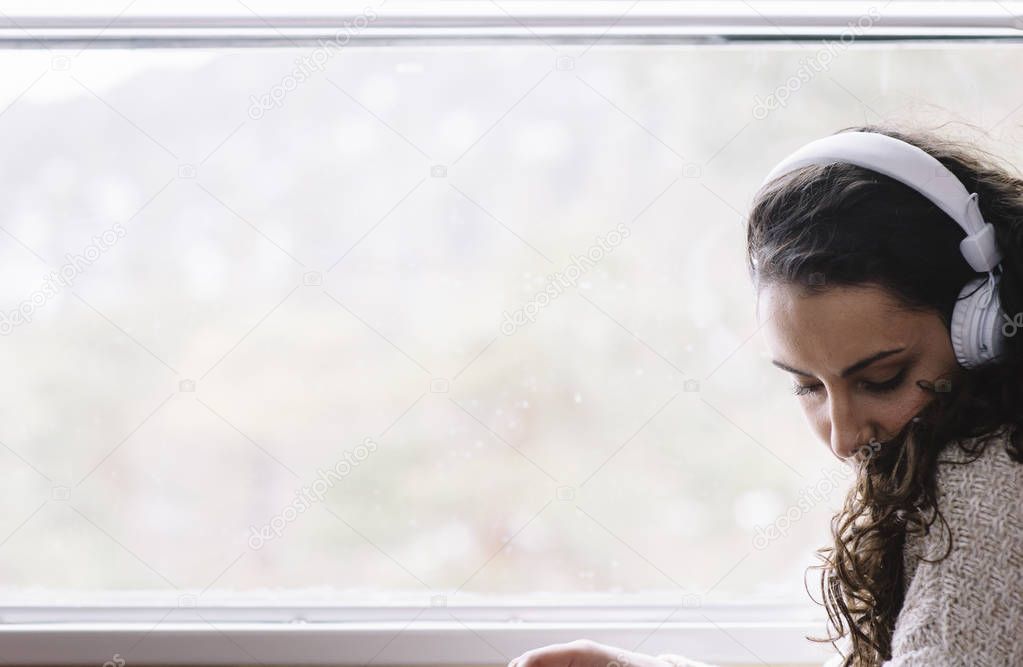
{"x":976,"y":328}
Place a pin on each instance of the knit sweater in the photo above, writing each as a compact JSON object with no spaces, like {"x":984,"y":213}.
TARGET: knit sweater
{"x":966,"y":609}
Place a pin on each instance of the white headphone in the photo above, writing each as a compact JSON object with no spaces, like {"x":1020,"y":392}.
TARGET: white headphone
{"x":976,"y":331}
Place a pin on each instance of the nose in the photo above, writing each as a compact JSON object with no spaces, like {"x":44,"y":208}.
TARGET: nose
{"x":846,"y":444}
{"x":842,"y":444}
{"x":849,"y":431}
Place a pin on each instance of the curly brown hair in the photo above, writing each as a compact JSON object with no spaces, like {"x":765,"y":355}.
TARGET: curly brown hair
{"x":857,"y":227}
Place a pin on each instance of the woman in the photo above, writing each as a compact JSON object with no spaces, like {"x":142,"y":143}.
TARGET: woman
{"x":857,"y":277}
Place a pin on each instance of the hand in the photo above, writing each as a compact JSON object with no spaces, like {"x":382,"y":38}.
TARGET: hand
{"x":585,"y":653}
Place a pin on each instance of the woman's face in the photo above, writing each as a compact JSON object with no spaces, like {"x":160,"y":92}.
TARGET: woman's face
{"x":855,"y":357}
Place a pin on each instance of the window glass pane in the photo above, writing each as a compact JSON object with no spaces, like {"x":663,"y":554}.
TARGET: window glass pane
{"x":417,"y":321}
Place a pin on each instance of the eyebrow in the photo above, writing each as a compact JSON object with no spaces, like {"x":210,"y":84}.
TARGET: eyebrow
{"x":859,"y":365}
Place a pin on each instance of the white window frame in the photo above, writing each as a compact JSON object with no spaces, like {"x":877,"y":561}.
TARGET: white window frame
{"x":478,"y":634}
{"x":486,"y":633}
{"x":550,"y":21}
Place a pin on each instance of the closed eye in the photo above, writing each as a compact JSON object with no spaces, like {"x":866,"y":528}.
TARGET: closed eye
{"x":873,"y":387}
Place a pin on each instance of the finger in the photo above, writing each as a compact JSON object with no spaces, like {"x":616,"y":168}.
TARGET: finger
{"x":539,"y":657}
{"x":524,"y":659}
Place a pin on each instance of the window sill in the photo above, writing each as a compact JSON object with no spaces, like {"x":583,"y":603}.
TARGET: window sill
{"x":736,"y":634}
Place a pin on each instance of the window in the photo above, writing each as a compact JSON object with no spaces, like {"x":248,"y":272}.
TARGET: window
{"x":308,"y":329}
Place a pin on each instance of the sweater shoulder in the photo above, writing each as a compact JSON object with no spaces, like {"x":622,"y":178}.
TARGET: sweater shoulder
{"x":964,"y":598}
{"x":972,"y":469}
{"x":977,"y":490}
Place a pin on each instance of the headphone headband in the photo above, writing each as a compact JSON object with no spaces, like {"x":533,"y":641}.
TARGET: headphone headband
{"x":914,"y":167}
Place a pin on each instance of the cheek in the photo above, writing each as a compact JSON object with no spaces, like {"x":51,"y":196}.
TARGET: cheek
{"x":887,"y":413}
{"x":906,"y":405}
{"x":890,"y":413}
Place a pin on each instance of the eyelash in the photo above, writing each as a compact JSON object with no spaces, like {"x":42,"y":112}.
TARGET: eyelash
{"x":876,"y":387}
